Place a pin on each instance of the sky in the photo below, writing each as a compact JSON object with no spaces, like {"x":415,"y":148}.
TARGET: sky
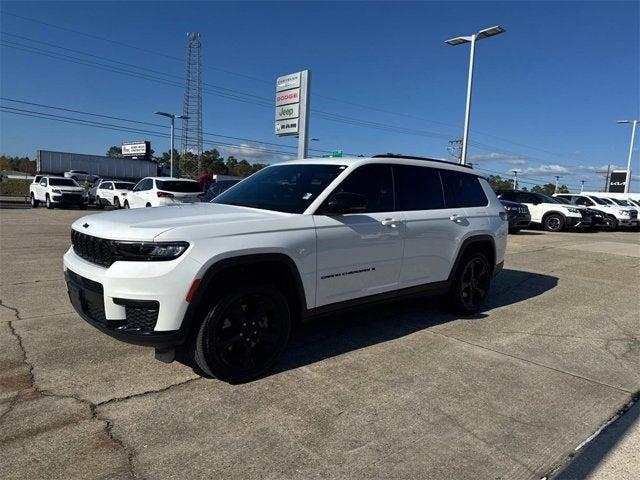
{"x":546,"y":98}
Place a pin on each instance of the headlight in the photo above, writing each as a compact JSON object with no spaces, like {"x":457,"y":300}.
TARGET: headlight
{"x":573,"y":210}
{"x":149,"y":251}
{"x":56,"y":190}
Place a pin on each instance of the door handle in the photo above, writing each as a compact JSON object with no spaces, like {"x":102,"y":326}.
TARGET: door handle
{"x":457,"y":218}
{"x":390,"y":222}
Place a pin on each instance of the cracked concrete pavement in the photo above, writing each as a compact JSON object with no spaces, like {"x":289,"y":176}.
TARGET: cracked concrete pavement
{"x":403,"y":391}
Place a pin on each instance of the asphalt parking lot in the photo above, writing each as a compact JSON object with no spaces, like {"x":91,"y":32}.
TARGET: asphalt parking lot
{"x":404,"y":391}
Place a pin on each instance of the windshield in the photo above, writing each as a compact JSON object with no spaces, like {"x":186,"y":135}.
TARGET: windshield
{"x":547,"y":198}
{"x":598,"y":200}
{"x":283,"y":188}
{"x":607,"y":201}
{"x":123,"y":185}
{"x":63,"y":182}
{"x":624,"y":203}
{"x":180,"y":186}
{"x":562,"y":200}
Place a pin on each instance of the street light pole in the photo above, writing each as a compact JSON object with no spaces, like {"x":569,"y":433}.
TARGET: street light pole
{"x":173,"y":117}
{"x":557,"y":180}
{"x":634,"y":124}
{"x":487,"y":32}
{"x":515,"y":179}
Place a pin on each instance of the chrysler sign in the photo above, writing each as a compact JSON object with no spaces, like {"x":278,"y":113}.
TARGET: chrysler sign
{"x":288,"y":81}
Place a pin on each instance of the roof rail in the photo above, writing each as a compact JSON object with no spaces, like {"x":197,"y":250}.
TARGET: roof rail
{"x":410,"y":157}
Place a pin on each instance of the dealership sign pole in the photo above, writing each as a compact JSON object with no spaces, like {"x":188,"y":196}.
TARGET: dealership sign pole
{"x":292,"y":108}
{"x":634,"y":124}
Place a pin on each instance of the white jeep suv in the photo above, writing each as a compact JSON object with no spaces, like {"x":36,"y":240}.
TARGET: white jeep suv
{"x":162,"y":191}
{"x":57,"y":191}
{"x":112,"y":192}
{"x":225,"y":281}
{"x":548,"y":212}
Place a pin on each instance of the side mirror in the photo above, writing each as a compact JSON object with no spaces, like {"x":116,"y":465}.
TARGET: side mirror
{"x":345,"y":202}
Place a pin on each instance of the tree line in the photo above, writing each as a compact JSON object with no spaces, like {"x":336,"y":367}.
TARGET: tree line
{"x":499,"y":183}
{"x":211,"y":161}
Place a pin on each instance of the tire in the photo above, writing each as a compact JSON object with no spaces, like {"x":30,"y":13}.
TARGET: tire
{"x":612,"y":223}
{"x":514,"y":230}
{"x":99,"y":204}
{"x":83,"y":206}
{"x":471,"y":283}
{"x":34,"y":202}
{"x":116,"y":203}
{"x":243,"y":333}
{"x":126,"y":204}
{"x":49,"y":203}
{"x":553,"y":222}
{"x":148,"y":205}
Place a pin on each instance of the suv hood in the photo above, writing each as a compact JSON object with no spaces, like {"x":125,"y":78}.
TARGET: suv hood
{"x":146,"y":224}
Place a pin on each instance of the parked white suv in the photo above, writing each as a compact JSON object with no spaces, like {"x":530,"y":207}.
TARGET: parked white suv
{"x":57,"y":191}
{"x":162,"y":191}
{"x":616,"y":216}
{"x":226,"y":280}
{"x":548,"y":212}
{"x":112,"y":192}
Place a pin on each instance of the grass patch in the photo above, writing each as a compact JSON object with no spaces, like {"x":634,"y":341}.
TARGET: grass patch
{"x":14,"y":188}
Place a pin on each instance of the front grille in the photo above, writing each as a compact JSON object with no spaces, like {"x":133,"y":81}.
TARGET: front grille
{"x":94,"y":249}
{"x":634,"y":214}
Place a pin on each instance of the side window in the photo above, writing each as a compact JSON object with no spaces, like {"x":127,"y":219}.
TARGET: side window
{"x":417,"y":188}
{"x":109,"y":186}
{"x":145,"y":184}
{"x":374,"y":182}
{"x":138,"y":186}
{"x":463,"y":190}
{"x":509,"y":196}
{"x":525,"y":198}
{"x":581,"y":201}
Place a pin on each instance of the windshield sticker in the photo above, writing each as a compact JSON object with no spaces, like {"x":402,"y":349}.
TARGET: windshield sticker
{"x":307,"y":196}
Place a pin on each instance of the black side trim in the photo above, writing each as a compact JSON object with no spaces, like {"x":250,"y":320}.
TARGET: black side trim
{"x":409,"y":157}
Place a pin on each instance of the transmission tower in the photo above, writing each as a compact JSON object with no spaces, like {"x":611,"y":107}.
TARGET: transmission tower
{"x":192,"y":108}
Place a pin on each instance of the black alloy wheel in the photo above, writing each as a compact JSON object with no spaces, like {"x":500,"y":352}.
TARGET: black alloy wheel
{"x":116,"y":202}
{"x":99,"y":204}
{"x":49,"y":203}
{"x":554,"y":223}
{"x":34,"y":202}
{"x":471,"y":284}
{"x":243,"y":335}
{"x":611,"y":223}
{"x":126,"y":204}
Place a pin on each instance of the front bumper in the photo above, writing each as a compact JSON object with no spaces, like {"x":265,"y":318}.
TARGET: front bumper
{"x":627,"y":222}
{"x":136,"y":302}
{"x":578,"y":222}
{"x":519,"y":220}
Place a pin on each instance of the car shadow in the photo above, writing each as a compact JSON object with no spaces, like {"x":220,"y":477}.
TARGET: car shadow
{"x":329,"y":336}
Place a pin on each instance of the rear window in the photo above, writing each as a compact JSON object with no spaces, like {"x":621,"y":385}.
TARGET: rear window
{"x":123,"y":186}
{"x":63,"y":182}
{"x":418,"y":188}
{"x":178,"y":186}
{"x":463,"y":190}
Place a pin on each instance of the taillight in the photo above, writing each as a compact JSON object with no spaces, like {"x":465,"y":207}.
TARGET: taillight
{"x":165,"y":195}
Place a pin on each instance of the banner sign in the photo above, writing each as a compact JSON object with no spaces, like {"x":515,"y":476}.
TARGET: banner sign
{"x":136,"y":149}
{"x":292,"y":108}
{"x":617,"y":181}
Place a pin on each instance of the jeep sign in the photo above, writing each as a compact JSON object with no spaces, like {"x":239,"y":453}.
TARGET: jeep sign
{"x":288,"y":111}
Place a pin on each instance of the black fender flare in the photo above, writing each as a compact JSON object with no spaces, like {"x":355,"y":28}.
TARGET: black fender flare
{"x":238,"y":261}
{"x":465,"y":244}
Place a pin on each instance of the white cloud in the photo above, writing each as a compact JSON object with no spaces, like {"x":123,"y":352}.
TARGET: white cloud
{"x":254,"y":153}
{"x":500,"y":157}
{"x":555,"y":169}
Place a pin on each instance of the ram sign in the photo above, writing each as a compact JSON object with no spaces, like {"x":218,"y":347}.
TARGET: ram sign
{"x":136,"y":149}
